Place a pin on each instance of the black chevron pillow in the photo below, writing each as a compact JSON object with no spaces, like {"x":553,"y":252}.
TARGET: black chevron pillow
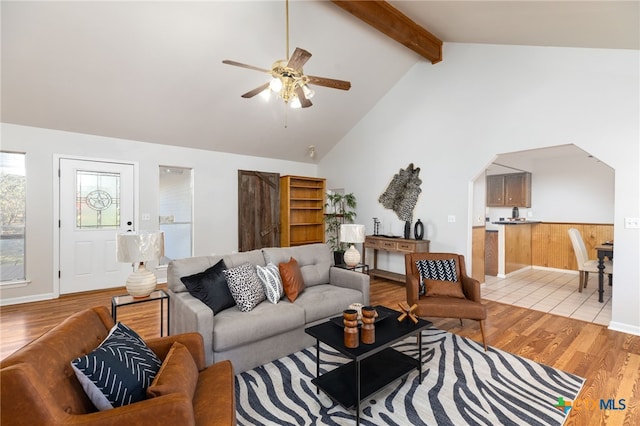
{"x":119,"y":371}
{"x":439,"y":270}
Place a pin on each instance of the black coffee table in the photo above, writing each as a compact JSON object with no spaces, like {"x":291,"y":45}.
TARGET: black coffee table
{"x":372,"y":367}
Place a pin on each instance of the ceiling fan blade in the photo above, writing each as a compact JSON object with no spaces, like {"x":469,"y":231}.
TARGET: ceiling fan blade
{"x":252,"y":93}
{"x":241,"y":65}
{"x":298,"y":59}
{"x":303,"y":99}
{"x":329,"y":82}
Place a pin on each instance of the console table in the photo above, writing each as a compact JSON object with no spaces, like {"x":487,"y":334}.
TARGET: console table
{"x":392,"y":245}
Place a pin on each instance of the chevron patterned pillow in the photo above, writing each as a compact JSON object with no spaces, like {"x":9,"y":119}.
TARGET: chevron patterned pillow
{"x":119,"y":371}
{"x":437,"y":270}
{"x":271,"y":282}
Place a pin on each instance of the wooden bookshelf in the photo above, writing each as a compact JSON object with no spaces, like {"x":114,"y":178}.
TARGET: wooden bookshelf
{"x":301,"y":210}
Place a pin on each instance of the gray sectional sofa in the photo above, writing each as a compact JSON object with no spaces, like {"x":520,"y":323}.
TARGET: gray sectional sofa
{"x":269,"y":331}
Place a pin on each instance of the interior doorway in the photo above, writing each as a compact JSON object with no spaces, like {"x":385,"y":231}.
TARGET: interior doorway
{"x":258,"y":210}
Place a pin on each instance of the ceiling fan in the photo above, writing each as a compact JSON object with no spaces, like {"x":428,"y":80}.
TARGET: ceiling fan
{"x":288,"y":79}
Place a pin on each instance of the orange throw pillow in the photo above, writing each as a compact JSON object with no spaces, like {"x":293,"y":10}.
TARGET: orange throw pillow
{"x":178,"y":374}
{"x":292,"y":280}
{"x":443,"y":288}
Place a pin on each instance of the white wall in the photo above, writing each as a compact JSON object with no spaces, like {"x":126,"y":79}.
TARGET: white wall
{"x":215,"y":192}
{"x":452,"y":118}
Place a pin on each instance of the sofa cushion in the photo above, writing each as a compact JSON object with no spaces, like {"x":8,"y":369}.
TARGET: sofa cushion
{"x":271,"y":282}
{"x":211,"y":287}
{"x":326,"y":301}
{"x":178,"y":374}
{"x":254,"y":257}
{"x":234,"y":328}
{"x":245,"y":286}
{"x":119,"y":371}
{"x":314,"y":260}
{"x":292,"y":280}
{"x":437,"y":270}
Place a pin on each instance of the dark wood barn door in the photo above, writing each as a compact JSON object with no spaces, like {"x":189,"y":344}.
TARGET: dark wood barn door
{"x":258,"y":210}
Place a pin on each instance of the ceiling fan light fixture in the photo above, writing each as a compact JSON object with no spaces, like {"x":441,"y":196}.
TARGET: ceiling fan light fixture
{"x":308,"y":93}
{"x":295,"y":103}
{"x":266,"y":94}
{"x":275,"y":84}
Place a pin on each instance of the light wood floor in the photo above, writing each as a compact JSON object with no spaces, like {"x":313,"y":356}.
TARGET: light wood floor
{"x":609,"y":360}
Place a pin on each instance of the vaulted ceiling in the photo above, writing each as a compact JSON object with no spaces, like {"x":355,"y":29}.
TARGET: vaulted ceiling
{"x":153,"y":72}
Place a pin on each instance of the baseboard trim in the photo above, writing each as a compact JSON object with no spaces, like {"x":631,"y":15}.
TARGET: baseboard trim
{"x":624,"y":328}
{"x":27,"y":299}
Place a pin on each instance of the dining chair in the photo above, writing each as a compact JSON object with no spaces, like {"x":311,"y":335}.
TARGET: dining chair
{"x":586,"y":265}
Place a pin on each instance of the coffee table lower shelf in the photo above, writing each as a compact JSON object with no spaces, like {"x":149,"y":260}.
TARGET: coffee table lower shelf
{"x":379,"y":370}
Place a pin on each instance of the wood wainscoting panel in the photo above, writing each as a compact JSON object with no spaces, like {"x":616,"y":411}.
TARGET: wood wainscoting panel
{"x":551,"y":246}
{"x":477,"y":253}
{"x":517,"y":243}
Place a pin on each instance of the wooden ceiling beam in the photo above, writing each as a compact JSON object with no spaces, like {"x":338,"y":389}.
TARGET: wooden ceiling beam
{"x":393,"y":23}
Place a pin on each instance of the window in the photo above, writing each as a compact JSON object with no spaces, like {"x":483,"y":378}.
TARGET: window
{"x":13,"y":215}
{"x":176,"y":213}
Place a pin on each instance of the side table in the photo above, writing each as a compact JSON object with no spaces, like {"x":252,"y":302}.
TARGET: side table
{"x":362,"y":266}
{"x":126,"y":299}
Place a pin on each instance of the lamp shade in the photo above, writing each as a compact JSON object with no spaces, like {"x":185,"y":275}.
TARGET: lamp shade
{"x":351,"y":233}
{"x":135,"y":247}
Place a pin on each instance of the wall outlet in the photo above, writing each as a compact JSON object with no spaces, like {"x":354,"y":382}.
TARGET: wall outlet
{"x":632,"y":222}
{"x":529,"y":214}
{"x":146,"y":216}
{"x":451,"y":218}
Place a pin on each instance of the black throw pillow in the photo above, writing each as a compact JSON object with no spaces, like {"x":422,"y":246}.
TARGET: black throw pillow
{"x":211,"y":287}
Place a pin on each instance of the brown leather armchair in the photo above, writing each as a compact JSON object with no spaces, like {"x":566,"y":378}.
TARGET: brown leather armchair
{"x":39,"y":386}
{"x":469,"y":306}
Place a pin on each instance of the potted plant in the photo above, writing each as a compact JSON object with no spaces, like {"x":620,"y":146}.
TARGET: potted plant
{"x":340,"y":209}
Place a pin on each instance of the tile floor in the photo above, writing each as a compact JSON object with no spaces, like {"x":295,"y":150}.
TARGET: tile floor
{"x":551,"y":291}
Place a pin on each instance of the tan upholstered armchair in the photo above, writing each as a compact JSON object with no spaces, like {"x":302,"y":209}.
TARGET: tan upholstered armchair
{"x":455,"y":296}
{"x":39,"y":386}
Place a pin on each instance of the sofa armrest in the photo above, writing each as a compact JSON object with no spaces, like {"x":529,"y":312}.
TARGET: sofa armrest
{"x":174,"y":408}
{"x":193,"y":341}
{"x":471,"y":288}
{"x":189,"y":315}
{"x":350,"y":279}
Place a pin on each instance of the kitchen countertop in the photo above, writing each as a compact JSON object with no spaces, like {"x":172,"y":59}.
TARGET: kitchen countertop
{"x":515,"y":222}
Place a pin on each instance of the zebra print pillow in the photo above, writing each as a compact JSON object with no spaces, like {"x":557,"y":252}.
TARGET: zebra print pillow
{"x":436,"y":271}
{"x":271,"y":282}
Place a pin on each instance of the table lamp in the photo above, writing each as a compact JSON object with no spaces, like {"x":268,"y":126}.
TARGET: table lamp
{"x":138,"y":248}
{"x":351,"y":234}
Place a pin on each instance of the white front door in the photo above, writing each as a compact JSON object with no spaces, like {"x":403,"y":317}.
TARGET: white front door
{"x":96,"y":203}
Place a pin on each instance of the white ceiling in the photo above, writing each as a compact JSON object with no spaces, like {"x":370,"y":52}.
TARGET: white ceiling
{"x":152,"y":71}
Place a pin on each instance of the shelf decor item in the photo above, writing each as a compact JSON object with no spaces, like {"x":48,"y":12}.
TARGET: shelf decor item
{"x":368,"y":330}
{"x":407,"y":312}
{"x":418,"y":230}
{"x":350,"y":318}
{"x":137,"y":248}
{"x":352,"y":234}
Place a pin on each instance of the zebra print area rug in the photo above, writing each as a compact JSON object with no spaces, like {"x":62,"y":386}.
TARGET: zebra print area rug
{"x":462,"y":385}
